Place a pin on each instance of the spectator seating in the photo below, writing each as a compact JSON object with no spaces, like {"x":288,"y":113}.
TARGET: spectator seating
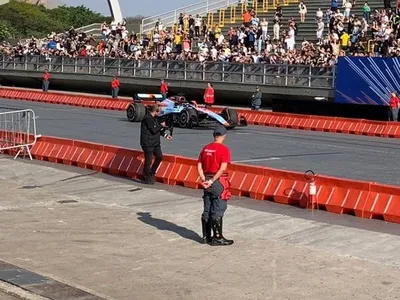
{"x":290,"y":8}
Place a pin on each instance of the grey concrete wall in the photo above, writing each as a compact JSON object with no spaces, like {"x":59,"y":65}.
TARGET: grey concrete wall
{"x":232,"y":93}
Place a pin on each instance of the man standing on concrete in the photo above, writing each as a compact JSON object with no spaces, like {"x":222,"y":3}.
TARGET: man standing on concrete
{"x":46,"y":81}
{"x":150,"y":132}
{"x":164,"y":89}
{"x":394,"y":104}
{"x":209,"y":95}
{"x":256,"y":100}
{"x":212,"y":168}
{"x":115,"y":87}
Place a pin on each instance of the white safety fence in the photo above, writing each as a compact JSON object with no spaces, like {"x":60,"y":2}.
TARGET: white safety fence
{"x":18,"y":130}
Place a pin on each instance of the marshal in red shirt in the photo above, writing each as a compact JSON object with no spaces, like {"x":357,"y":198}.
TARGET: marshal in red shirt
{"x":394,"y":102}
{"x":212,"y":156}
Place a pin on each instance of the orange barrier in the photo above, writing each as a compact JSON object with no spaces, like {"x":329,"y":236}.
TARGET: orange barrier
{"x":321,"y":123}
{"x":261,"y":118}
{"x":362,"y":199}
{"x":66,"y":99}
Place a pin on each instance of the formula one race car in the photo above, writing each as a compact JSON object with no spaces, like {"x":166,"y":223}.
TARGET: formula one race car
{"x":178,"y":111}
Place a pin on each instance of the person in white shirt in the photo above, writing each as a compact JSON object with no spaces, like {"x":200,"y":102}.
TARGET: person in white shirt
{"x":319,"y":15}
{"x":276,"y":30}
{"x":156,"y":40}
{"x":290,"y":39}
{"x":264,"y":28}
{"x":302,"y":11}
{"x":197,"y":25}
{"x":320,"y":31}
{"x":347,"y":8}
{"x":221,"y":39}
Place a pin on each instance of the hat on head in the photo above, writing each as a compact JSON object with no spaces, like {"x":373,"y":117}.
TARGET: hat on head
{"x":220,"y":130}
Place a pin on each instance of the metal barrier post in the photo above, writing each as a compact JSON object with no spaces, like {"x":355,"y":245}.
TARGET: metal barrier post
{"x":18,"y":131}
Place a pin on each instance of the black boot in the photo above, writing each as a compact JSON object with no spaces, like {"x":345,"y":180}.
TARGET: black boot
{"x":206,"y":225}
{"x":218,"y":239}
{"x":153,"y":178}
{"x":149,"y":180}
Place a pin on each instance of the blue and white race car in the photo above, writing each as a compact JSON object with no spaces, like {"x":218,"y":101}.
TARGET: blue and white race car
{"x":178,"y":111}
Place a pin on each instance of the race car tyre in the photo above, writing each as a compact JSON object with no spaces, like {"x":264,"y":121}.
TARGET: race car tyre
{"x":230,"y":115}
{"x":186,"y":118}
{"x":136,"y":112}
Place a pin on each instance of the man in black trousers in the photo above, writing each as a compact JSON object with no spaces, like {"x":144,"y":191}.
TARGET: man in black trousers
{"x":150,"y":132}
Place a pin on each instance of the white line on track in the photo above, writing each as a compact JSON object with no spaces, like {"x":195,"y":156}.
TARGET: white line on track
{"x":257,"y":159}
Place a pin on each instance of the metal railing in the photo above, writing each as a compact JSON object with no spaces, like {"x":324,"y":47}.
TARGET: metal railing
{"x":169,"y":18}
{"x":260,"y":74}
{"x":17,"y":130}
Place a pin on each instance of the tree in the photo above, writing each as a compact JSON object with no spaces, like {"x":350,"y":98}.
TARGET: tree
{"x":77,"y":16}
{"x":6,"y":31}
{"x":24,"y":20}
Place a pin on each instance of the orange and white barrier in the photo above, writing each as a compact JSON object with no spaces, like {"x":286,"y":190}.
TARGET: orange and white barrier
{"x":362,"y":199}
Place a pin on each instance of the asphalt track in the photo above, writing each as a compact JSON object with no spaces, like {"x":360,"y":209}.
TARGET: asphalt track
{"x":339,"y":155}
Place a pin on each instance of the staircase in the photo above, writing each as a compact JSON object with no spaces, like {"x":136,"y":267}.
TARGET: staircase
{"x":232,"y":16}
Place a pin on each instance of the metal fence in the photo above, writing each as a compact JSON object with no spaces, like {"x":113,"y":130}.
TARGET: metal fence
{"x":169,"y":18}
{"x":261,"y":74}
{"x":17,"y":130}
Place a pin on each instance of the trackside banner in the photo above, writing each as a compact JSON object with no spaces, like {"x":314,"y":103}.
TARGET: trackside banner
{"x":367,"y":80}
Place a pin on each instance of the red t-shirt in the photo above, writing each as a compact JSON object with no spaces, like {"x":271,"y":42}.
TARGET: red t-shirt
{"x":46,"y":76}
{"x":394,"y":102}
{"x":212,"y":156}
{"x":115,"y":83}
{"x":164,"y":88}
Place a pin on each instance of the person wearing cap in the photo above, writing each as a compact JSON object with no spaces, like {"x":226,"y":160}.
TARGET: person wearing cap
{"x":212,"y":169}
{"x":150,"y":133}
{"x":256,"y":99}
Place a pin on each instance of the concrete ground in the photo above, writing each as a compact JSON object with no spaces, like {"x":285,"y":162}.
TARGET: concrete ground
{"x":119,"y":239}
{"x":5,"y":296}
{"x":340,"y":155}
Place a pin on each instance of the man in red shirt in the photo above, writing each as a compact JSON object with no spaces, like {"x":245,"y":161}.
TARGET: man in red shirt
{"x":115,"y":87}
{"x":209,"y":95}
{"x":394,"y":104}
{"x":46,"y":81}
{"x":164,"y":89}
{"x":212,"y":168}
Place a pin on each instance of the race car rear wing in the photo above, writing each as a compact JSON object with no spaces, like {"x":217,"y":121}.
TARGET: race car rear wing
{"x":142,"y":97}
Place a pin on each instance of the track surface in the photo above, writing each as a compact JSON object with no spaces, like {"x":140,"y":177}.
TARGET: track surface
{"x":339,"y":155}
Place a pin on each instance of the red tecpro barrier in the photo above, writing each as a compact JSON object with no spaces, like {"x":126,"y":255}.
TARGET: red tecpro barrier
{"x":262,"y":118}
{"x":66,"y":99}
{"x":362,"y":199}
{"x":320,"y":123}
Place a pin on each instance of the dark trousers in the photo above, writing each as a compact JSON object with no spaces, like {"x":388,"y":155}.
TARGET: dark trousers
{"x":45,"y":85}
{"x":151,"y":169}
{"x":393,"y":114}
{"x":214,"y":206}
{"x":114,"y":93}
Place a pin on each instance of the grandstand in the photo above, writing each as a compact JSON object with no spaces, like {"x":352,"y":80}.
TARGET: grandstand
{"x":228,"y":13}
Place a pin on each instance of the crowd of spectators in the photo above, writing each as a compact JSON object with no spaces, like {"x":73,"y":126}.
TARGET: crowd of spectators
{"x":254,"y":41}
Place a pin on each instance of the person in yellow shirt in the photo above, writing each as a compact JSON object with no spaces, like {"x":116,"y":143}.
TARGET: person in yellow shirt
{"x":345,"y":37}
{"x":178,"y":42}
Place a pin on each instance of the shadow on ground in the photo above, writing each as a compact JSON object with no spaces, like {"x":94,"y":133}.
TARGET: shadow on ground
{"x":161,"y":224}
